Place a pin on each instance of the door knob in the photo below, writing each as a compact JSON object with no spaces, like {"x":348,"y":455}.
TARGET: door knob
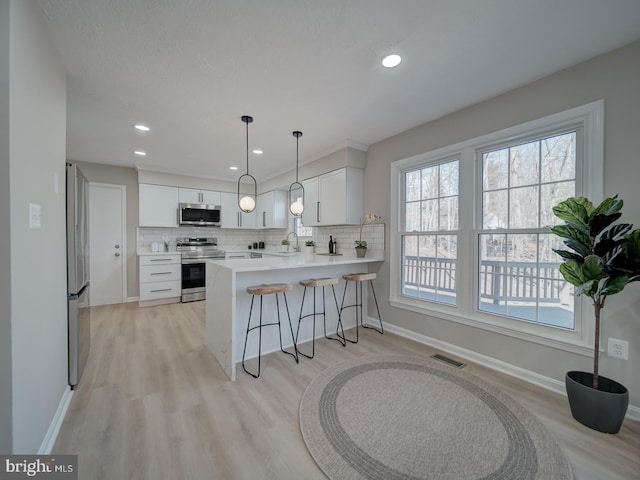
{"x":117,"y":254}
{"x":117,"y":246}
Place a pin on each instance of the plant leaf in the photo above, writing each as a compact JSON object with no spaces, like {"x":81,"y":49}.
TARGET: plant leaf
{"x":569,"y":255}
{"x":592,"y":268}
{"x":586,"y":203}
{"x":571,"y":270}
{"x":588,"y":288}
{"x":599,"y":222}
{"x":614,"y":284}
{"x":573,"y":213}
{"x":608,"y":206}
{"x":575,"y":239}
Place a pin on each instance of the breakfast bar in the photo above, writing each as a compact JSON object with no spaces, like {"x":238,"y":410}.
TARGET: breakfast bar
{"x":228,"y":303}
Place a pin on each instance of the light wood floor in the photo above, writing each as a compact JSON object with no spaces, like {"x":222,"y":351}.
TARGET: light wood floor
{"x":154,"y":404}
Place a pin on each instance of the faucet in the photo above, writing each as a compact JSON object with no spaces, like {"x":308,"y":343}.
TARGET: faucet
{"x":297,"y":247}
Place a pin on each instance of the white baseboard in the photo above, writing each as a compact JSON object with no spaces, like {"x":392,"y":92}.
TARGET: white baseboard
{"x":56,"y":422}
{"x":633,"y":412}
{"x":131,"y":299}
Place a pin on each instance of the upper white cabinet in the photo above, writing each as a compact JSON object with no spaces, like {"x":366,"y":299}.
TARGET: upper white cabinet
{"x":158,"y":206}
{"x":335,"y":198}
{"x":272,"y":210}
{"x":232,"y":216}
{"x":191,"y":195}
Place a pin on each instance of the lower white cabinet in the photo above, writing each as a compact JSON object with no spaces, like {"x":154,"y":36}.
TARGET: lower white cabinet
{"x":160,"y":279}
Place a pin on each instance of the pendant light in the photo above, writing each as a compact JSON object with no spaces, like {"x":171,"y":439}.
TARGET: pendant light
{"x":247,"y":201}
{"x":296,"y":207}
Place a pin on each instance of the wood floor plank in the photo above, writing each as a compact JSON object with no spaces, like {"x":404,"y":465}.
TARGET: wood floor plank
{"x":154,"y":404}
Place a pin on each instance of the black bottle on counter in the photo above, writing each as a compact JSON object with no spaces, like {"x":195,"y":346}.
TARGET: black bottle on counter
{"x":330,"y":244}
{"x":335,"y":246}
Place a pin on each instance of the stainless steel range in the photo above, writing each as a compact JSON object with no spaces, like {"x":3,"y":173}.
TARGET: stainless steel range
{"x":195,"y":253}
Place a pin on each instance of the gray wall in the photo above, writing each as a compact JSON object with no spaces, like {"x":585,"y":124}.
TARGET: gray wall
{"x":129,"y":177}
{"x":614,"y":77}
{"x":38,"y":306}
{"x":5,"y":244}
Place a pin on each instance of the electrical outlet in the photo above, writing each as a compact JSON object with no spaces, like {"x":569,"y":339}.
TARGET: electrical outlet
{"x":618,"y":348}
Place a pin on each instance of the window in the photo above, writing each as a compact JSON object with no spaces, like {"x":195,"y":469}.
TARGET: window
{"x":429,"y":240}
{"x":519,"y":272}
{"x":473,"y":241}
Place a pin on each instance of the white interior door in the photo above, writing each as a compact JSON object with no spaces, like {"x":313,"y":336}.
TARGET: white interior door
{"x":107,"y":253}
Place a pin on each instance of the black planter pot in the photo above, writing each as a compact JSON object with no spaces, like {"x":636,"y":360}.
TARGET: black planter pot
{"x":603,"y":409}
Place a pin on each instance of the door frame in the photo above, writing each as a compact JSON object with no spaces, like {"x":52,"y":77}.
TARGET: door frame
{"x":123,"y":228}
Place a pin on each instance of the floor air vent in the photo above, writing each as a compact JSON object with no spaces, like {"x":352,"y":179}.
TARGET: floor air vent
{"x":450,"y":361}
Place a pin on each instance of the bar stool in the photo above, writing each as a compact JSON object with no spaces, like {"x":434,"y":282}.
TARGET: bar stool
{"x":315,"y":283}
{"x":359,"y":279}
{"x":262,"y":290}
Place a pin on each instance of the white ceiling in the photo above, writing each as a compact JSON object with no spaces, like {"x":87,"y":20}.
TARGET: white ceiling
{"x":191,"y":68}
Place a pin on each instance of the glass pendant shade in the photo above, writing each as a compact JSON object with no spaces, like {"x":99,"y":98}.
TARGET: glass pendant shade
{"x":247,"y":204}
{"x":297,"y":208}
{"x":247,"y":201}
{"x":296,"y":190}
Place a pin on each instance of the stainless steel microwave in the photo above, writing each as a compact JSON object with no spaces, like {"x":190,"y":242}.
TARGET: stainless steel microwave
{"x":199,"y":214}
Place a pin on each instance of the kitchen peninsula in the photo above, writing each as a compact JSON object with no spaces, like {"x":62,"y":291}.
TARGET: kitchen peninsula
{"x":228,"y":303}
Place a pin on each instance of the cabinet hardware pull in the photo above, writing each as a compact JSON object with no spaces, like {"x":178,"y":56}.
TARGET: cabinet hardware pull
{"x":161,"y":273}
{"x":239,"y":219}
{"x":160,"y":260}
{"x":162,"y":290}
{"x":264,"y":219}
{"x":318,"y":212}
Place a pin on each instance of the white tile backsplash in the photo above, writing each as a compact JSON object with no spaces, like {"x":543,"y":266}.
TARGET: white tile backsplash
{"x":238,"y":239}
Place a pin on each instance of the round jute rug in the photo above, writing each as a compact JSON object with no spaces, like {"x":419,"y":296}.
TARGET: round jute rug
{"x":390,"y":417}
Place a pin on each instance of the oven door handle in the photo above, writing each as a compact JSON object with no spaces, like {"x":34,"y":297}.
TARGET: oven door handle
{"x":191,"y":261}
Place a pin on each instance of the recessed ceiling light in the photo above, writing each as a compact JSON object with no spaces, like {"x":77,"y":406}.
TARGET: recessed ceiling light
{"x":258,"y":152}
{"x":391,"y":61}
{"x":140,"y":153}
{"x":141,"y":127}
{"x":233,"y":167}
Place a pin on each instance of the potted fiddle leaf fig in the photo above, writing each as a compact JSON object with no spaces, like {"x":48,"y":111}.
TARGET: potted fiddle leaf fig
{"x":603,"y":258}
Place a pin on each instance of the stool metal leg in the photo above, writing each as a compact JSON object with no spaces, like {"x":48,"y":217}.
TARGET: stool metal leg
{"x":381,"y":330}
{"x":313,"y":315}
{"x":246,"y":338}
{"x":293,"y":338}
{"x":339,"y":324}
{"x":343,"y":307}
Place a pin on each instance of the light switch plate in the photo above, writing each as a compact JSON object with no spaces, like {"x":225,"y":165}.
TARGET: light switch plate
{"x":35,"y":216}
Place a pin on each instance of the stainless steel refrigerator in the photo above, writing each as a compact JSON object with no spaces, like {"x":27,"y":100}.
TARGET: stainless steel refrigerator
{"x":79,"y":318}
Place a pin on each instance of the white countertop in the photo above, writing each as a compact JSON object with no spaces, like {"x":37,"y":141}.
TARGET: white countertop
{"x":298,"y":260}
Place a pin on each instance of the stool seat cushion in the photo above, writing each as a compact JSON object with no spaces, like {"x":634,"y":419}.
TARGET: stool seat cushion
{"x":268,"y":289}
{"x":318,"y":282}
{"x":359,"y":277}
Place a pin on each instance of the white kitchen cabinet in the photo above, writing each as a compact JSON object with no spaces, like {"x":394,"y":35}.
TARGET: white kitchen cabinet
{"x":157,"y":206}
{"x":335,"y":198}
{"x":160,"y":279}
{"x":311,"y":212}
{"x":191,"y":195}
{"x":232,"y":216}
{"x":272,"y":210}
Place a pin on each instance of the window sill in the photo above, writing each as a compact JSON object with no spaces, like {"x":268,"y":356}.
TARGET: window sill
{"x":568,"y":341}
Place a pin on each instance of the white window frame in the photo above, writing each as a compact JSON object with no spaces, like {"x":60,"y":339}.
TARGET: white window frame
{"x":589,"y":182}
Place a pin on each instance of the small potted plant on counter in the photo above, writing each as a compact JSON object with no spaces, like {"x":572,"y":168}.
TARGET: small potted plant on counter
{"x":604,"y":257}
{"x":284,"y":245}
{"x":309,"y":247}
{"x":361,"y":245}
